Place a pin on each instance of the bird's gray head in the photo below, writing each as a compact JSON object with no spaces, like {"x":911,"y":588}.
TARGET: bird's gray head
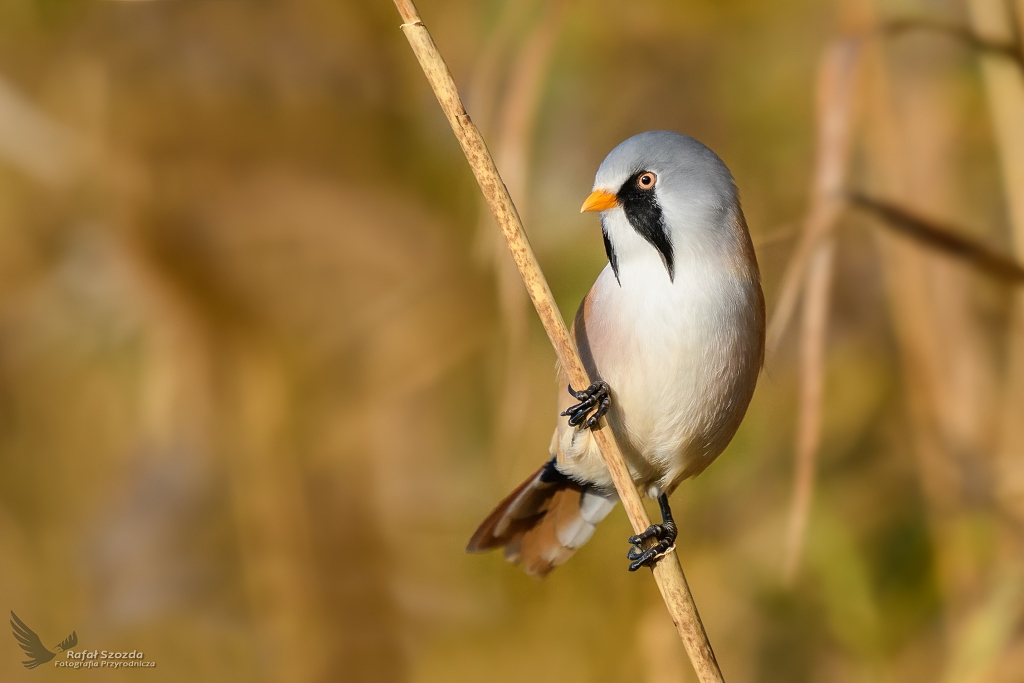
{"x":661,"y":193}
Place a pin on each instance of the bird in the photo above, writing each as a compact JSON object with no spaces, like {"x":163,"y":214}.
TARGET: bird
{"x":33,"y":644}
{"x":672,"y":336}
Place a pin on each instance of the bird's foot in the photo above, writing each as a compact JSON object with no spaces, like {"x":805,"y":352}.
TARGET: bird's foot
{"x":597,"y":398}
{"x":665,"y":534}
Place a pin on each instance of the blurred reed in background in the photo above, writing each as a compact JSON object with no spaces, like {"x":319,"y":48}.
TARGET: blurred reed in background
{"x":264,"y":364}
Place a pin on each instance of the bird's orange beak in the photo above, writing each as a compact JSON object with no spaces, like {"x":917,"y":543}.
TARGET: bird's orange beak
{"x":599,"y":200}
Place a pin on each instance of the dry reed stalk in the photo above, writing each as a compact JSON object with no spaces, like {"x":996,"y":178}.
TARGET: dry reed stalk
{"x":909,"y":301}
{"x":1018,"y":11}
{"x":667,"y":573}
{"x":980,"y":44}
{"x":1003,"y":79}
{"x":514,"y":135}
{"x":272,"y":520}
{"x":811,"y":264}
{"x":921,"y":321}
{"x":836,"y":86}
{"x":959,"y":369}
{"x":943,"y":238}
{"x":813,"y":336}
{"x":518,"y":117}
{"x":1004,"y":86}
{"x":484,"y":96}
{"x":483,"y":93}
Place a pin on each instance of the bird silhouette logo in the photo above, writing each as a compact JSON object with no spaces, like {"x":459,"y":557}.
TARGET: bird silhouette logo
{"x":33,"y":646}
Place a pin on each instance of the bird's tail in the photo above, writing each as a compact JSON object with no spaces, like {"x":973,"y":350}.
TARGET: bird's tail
{"x":544,"y":521}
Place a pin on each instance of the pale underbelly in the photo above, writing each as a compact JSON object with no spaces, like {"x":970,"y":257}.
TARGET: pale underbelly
{"x":672,"y":413}
{"x":677,"y":415}
{"x":680,"y":385}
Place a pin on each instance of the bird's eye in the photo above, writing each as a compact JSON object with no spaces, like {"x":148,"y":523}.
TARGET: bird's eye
{"x":646,"y":180}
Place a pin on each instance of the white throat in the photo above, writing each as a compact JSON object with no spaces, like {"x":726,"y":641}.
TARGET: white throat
{"x":634,"y":255}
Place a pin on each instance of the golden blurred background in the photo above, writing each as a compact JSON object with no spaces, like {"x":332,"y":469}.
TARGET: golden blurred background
{"x":264,"y":363}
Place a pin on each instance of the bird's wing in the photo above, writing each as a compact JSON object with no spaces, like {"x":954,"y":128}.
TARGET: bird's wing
{"x":582,"y":338}
{"x":69,"y":642}
{"x":30,"y":643}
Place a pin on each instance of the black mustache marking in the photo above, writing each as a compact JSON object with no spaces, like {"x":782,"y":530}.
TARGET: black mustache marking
{"x":645,"y":215}
{"x":608,"y":249}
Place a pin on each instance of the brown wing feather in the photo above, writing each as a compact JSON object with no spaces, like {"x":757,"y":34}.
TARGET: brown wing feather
{"x":516,"y":513}
{"x":540,"y":549}
{"x":543,"y":522}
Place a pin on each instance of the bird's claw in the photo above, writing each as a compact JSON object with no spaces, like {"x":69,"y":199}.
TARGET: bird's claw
{"x":666,"y":537}
{"x":597,"y":397}
{"x":653,"y":531}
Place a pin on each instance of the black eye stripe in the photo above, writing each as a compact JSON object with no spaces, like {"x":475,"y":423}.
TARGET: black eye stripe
{"x":644,"y":214}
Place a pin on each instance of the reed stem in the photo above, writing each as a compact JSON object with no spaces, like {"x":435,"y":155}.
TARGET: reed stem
{"x":667,"y":572}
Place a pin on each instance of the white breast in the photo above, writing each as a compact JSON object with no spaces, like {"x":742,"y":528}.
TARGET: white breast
{"x":682,"y":358}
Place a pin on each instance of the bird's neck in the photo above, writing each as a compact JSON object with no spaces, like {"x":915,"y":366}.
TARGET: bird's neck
{"x":707,"y":246}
